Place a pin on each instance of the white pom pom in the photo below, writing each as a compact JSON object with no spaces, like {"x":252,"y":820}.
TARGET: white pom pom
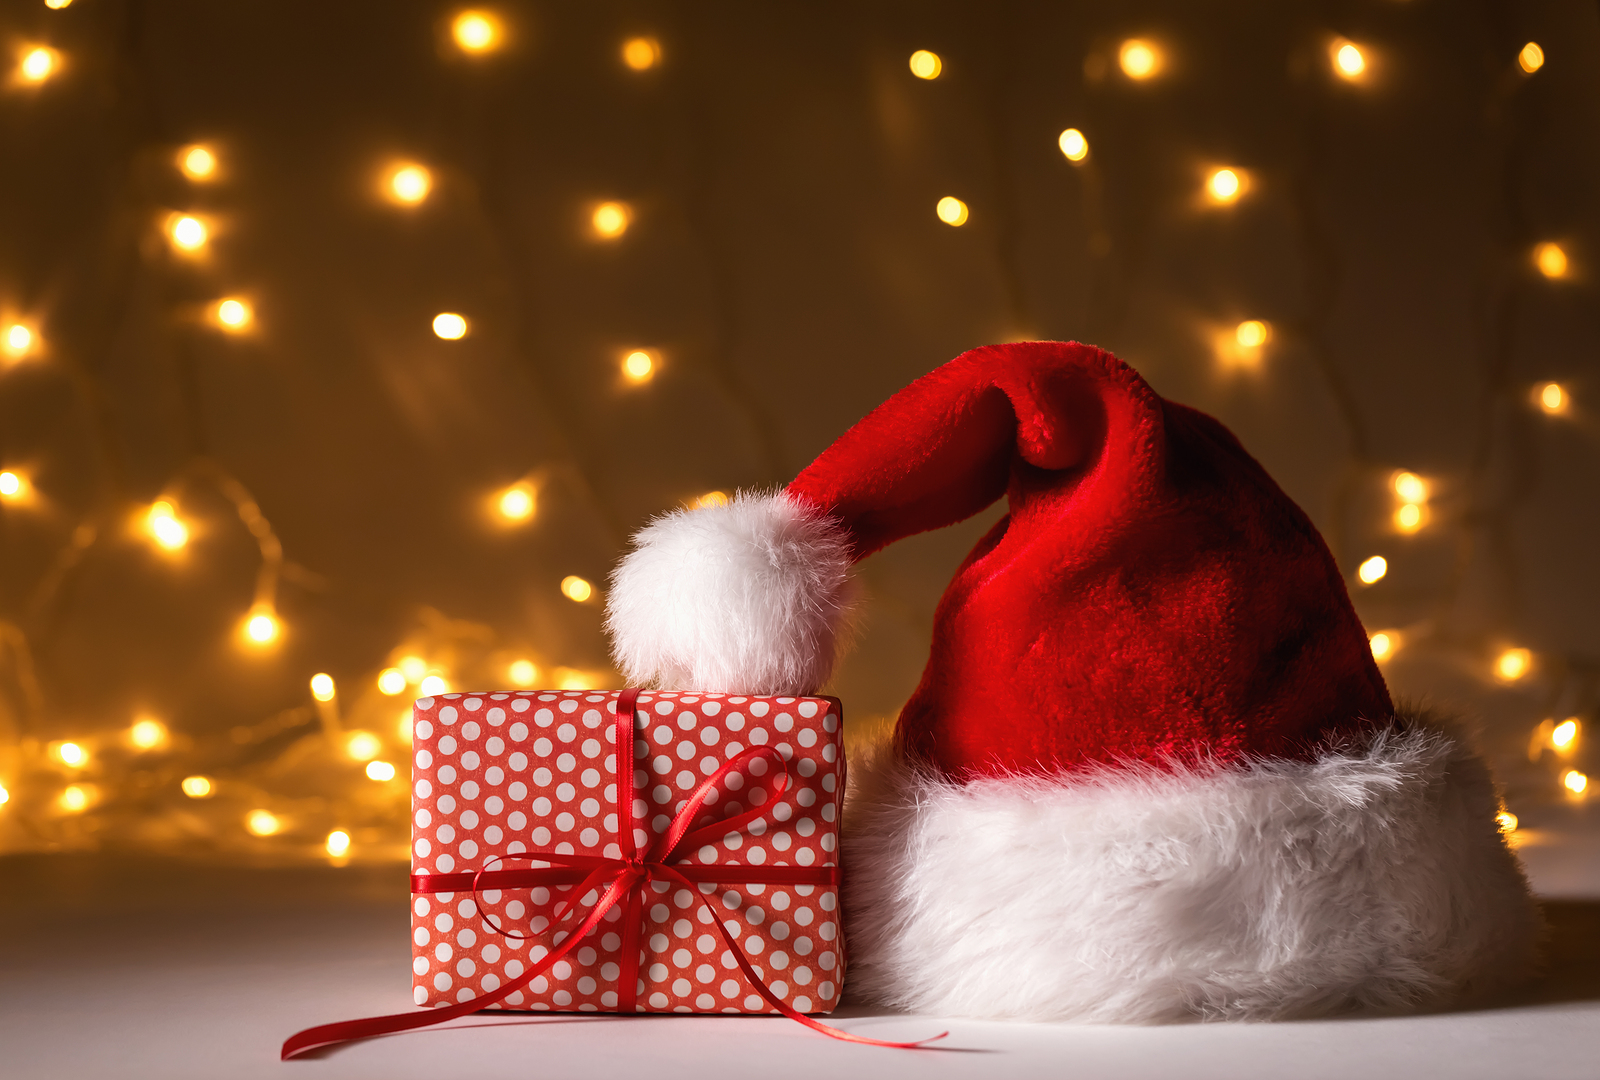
{"x":745,"y":598}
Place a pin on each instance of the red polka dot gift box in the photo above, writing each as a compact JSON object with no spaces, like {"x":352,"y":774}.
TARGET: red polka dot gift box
{"x":717,"y":868}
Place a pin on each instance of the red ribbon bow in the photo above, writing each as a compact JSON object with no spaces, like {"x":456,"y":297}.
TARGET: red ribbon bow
{"x":624,"y":880}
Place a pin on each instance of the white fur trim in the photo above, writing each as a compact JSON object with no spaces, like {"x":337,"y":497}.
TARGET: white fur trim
{"x":1371,"y":879}
{"x":745,"y":598}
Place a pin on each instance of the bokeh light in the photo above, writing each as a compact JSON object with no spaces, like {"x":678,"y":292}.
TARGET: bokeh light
{"x":1349,"y":62}
{"x":1252,"y":334}
{"x":392,"y":681}
{"x":187,"y":232}
{"x":380,"y":771}
{"x":76,"y":798}
{"x":322,"y":686}
{"x":1552,"y":398}
{"x":262,"y":823}
{"x":925,"y":64}
{"x":1224,"y":185}
{"x":38,"y":64}
{"x":1513,"y":664}
{"x":1139,"y":59}
{"x":1531,"y":58}
{"x":638,"y":366}
{"x":409,"y":184}
{"x":71,"y":753}
{"x":522,"y":673}
{"x":148,"y":733}
{"x":610,"y":220}
{"x":1073,"y":144}
{"x":1573,"y":780}
{"x":197,"y":162}
{"x":1372,"y":570}
{"x":1384,"y":644}
{"x":1565,"y":734}
{"x":198,"y":787}
{"x":19,"y":340}
{"x":576,"y":589}
{"x":433,"y":684}
{"x":449,"y":326}
{"x":362,"y":745}
{"x":951,"y":211}
{"x":641,"y":53}
{"x":475,"y":31}
{"x":337,"y":843}
{"x":262,"y":627}
{"x":233,"y":314}
{"x":11,"y":485}
{"x":1551,"y":259}
{"x":168,"y":531}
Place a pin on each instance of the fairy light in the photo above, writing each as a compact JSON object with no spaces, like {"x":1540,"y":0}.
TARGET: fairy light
{"x":233,"y":314}
{"x":381,"y":771}
{"x":338,"y":843}
{"x":638,"y":366}
{"x":1252,"y":334}
{"x":198,"y":787}
{"x":475,"y":31}
{"x":1140,"y":60}
{"x":38,"y":65}
{"x":1573,"y":780}
{"x":522,"y":673}
{"x":576,"y":589}
{"x":951,"y":210}
{"x":18,"y":341}
{"x":148,"y":734}
{"x":1371,"y":570}
{"x":1224,"y":186}
{"x":1513,"y":664}
{"x":1409,"y":517}
{"x":1552,"y":398}
{"x":1564,"y":735}
{"x":322,"y":686}
{"x":187,"y":233}
{"x":11,"y":486}
{"x":70,"y":753}
{"x":409,"y":184}
{"x":1385,"y":643}
{"x":165,"y":528}
{"x":1349,"y":62}
{"x":1073,"y":145}
{"x":610,"y":220}
{"x":1506,"y":822}
{"x":1410,"y":487}
{"x":262,"y":626}
{"x":449,"y":326}
{"x":433,"y":685}
{"x":76,"y":798}
{"x":925,"y":64}
{"x":1551,"y":259}
{"x":413,"y":668}
{"x":515,"y":503}
{"x":392,"y":681}
{"x":362,"y":746}
{"x":1531,"y":58}
{"x":641,"y":53}
{"x":262,"y":823}
{"x":197,"y":162}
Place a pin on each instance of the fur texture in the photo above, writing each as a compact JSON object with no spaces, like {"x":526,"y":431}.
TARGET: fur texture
{"x":746,"y":598}
{"x":1370,"y":878}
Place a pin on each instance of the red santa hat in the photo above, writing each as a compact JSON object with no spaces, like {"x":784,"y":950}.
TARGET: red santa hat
{"x":1151,"y":771}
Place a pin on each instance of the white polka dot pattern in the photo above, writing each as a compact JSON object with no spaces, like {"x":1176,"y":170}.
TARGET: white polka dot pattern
{"x":487,"y":783}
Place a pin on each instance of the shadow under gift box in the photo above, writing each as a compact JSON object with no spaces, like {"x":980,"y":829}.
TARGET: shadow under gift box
{"x":497,"y":774}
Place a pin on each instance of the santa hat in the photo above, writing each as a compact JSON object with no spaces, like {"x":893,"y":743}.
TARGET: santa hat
{"x":1151,"y":771}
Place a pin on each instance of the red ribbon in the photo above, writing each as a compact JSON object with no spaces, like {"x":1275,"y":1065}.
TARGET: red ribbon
{"x":623,"y":880}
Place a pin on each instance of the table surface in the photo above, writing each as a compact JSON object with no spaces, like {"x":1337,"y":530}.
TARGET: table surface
{"x":120,"y":967}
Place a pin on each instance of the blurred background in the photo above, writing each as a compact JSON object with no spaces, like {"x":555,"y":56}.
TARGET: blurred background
{"x":345,"y":344}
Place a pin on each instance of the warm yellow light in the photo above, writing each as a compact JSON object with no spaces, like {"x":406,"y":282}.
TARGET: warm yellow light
{"x":1408,"y":518}
{"x":475,"y":31}
{"x":162,"y":521}
{"x":188,"y":233}
{"x":570,"y":679}
{"x":5,"y":796}
{"x":1372,"y":570}
{"x":362,"y":746}
{"x":75,"y":798}
{"x":18,"y":340}
{"x":1565,"y":734}
{"x":1506,"y":821}
{"x":638,"y":366}
{"x":711,"y":499}
{"x":410,"y":184}
{"x":380,"y":771}
{"x":262,"y":627}
{"x":450,"y":326}
{"x":338,"y":842}
{"x":1252,"y":334}
{"x":57,"y":5}
{"x":515,"y":503}
{"x":10,"y":485}
{"x":1349,"y":61}
{"x":1551,"y":260}
{"x":1552,"y":398}
{"x":70,"y":753}
{"x":522,"y":673}
{"x":433,"y":684}
{"x":576,"y":589}
{"x":322,"y":686}
{"x":233,"y":314}
{"x":392,"y":681}
{"x":1139,"y":59}
{"x":1531,"y":58}
{"x":402,"y":729}
{"x":925,"y":64}
{"x":38,"y":64}
{"x":197,"y":163}
{"x":262,"y":822}
{"x":951,"y":210}
{"x":147,"y":734}
{"x":413,"y":668}
{"x":1073,"y":144}
{"x":610,"y":220}
{"x":1513,"y":664}
{"x":1384,"y":644}
{"x":1410,"y":487}
{"x":1573,"y":780}
{"x":198,"y":787}
{"x":1224,"y":185}
{"x":641,"y":54}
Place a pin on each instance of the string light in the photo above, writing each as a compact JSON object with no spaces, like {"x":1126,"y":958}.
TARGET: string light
{"x":198,"y":787}
{"x":322,"y":686}
{"x":18,"y":340}
{"x":925,"y":64}
{"x":1224,"y":185}
{"x":10,"y":486}
{"x":952,"y":211}
{"x":432,"y":685}
{"x":413,"y":668}
{"x":1349,"y":62}
{"x":392,"y":681}
{"x":610,"y":220}
{"x":641,"y":53}
{"x":1372,"y":570}
{"x":409,"y":184}
{"x":1551,"y":260}
{"x":75,"y":799}
{"x":638,"y":366}
{"x":1564,"y":735}
{"x":1139,"y":59}
{"x":362,"y":746}
{"x":475,"y":31}
{"x":38,"y":64}
{"x":1531,"y":58}
{"x":262,"y":823}
{"x":381,"y":771}
{"x":338,"y":843}
{"x":233,"y":314}
{"x":449,"y":326}
{"x":70,"y":753}
{"x":1512,"y":664}
{"x":1552,"y":398}
{"x":197,"y":162}
{"x":1073,"y":145}
{"x":1573,"y":780}
{"x":261,"y":626}
{"x":1506,"y":822}
{"x":148,"y":734}
{"x":162,"y":521}
{"x":522,"y":673}
{"x":515,"y":503}
{"x":188,"y":233}
{"x":576,"y":589}
{"x":1384,"y":644}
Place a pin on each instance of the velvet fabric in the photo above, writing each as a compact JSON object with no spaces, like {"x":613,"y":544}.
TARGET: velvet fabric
{"x":1151,"y":595}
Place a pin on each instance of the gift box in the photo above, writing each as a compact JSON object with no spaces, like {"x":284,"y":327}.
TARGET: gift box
{"x":518,"y":834}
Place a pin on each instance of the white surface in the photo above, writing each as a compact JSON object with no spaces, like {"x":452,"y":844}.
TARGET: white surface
{"x":119,"y":972}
